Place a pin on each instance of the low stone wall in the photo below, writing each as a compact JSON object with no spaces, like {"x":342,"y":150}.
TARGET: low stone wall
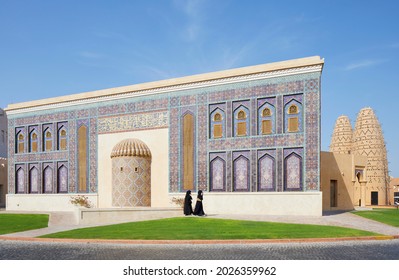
{"x":93,"y":216}
{"x":45,"y":202}
{"x":262,"y":203}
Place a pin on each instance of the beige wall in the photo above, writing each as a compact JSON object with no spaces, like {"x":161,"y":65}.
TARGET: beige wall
{"x":45,"y":202}
{"x":157,"y":141}
{"x":261,"y":203}
{"x":393,"y":187}
{"x":341,"y":167}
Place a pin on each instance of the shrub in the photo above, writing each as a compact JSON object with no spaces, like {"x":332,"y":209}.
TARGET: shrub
{"x":81,"y":200}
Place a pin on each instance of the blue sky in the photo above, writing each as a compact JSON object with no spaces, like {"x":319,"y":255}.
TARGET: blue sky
{"x":53,"y":48}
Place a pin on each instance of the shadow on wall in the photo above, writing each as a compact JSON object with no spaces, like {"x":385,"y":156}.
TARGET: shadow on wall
{"x":336,"y":181}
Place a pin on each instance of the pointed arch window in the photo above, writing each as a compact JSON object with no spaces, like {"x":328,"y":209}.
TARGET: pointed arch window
{"x":293,"y":172}
{"x":217,"y":127}
{"x":266,"y":119}
{"x":62,"y":179}
{"x":48,"y":140}
{"x":20,"y":143}
{"x":266,"y":173}
{"x":20,"y":180}
{"x":48,"y":180}
{"x":33,"y":180}
{"x":241,"y":121}
{"x":217,"y":168}
{"x":241,"y":171}
{"x":62,"y":139}
{"x":293,"y":116}
{"x":33,"y":142}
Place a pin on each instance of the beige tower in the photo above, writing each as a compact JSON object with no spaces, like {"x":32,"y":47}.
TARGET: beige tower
{"x":342,"y":138}
{"x":368,"y":140}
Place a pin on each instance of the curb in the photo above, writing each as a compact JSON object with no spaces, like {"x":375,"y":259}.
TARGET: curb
{"x":198,"y":242}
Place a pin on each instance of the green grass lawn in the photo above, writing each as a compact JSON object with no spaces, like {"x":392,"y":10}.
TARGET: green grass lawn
{"x":10,"y":223}
{"x":193,"y":228}
{"x":386,"y":216}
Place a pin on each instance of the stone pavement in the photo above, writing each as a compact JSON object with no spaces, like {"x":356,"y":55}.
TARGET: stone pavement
{"x":343,"y":219}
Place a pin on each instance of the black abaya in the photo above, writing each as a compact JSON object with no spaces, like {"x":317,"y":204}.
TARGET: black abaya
{"x":199,"y":209}
{"x":188,"y":208}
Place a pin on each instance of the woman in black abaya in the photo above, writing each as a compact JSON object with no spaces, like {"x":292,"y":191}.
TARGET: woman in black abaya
{"x":199,"y":209}
{"x":188,"y":208}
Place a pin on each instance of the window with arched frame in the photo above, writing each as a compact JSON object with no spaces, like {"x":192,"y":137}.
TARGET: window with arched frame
{"x":241,"y":121}
{"x":62,"y":139}
{"x":20,"y":143}
{"x":48,"y":140}
{"x":241,"y":171}
{"x":20,"y":180}
{"x":293,"y":172}
{"x":33,"y":180}
{"x":47,"y":180}
{"x":33,"y":142}
{"x":293,"y":116}
{"x":266,"y":173}
{"x":266,"y":119}
{"x":62,"y":181}
{"x":217,"y":174}
{"x":217,"y":125}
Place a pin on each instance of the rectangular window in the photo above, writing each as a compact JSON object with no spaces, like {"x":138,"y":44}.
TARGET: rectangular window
{"x":293,"y":124}
{"x":3,"y":138}
{"x":333,"y":193}
{"x":217,"y":131}
{"x":266,"y":127}
{"x":21,"y":148}
{"x":63,"y":144}
{"x":34,"y":147}
{"x":241,"y":129}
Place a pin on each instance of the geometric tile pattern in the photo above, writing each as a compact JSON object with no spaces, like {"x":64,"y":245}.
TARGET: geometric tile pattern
{"x":167,"y":109}
{"x":131,"y":181}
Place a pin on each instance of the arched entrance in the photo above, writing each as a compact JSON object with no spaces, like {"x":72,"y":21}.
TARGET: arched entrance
{"x":131,"y":174}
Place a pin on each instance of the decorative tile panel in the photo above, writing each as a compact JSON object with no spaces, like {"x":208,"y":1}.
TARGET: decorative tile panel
{"x":143,"y":121}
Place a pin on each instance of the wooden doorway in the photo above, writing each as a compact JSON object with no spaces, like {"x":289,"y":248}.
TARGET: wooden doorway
{"x":374,"y":198}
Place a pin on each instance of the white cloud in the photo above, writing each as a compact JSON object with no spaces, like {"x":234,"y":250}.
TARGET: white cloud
{"x":363,"y":64}
{"x":193,"y":10}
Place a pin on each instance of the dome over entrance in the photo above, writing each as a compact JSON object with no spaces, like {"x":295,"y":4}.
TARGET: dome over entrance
{"x":131,"y":148}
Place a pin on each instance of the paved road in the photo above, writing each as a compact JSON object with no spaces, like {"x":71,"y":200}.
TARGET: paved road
{"x":344,"y":250}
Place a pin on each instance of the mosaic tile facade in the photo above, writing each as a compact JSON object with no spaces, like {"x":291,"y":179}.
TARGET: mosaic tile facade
{"x":217,"y":165}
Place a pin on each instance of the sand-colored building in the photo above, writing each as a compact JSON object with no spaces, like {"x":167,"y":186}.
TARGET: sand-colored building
{"x":343,"y":180}
{"x":357,"y":163}
{"x":393,"y":193}
{"x":248,"y":137}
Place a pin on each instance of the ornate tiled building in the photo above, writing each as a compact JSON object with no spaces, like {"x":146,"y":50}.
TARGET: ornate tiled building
{"x":249,"y":137}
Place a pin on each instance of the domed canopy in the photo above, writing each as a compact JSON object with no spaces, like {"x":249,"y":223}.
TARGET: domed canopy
{"x":130,"y":148}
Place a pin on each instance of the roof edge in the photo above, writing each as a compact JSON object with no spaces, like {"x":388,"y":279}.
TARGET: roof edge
{"x":236,"y":72}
